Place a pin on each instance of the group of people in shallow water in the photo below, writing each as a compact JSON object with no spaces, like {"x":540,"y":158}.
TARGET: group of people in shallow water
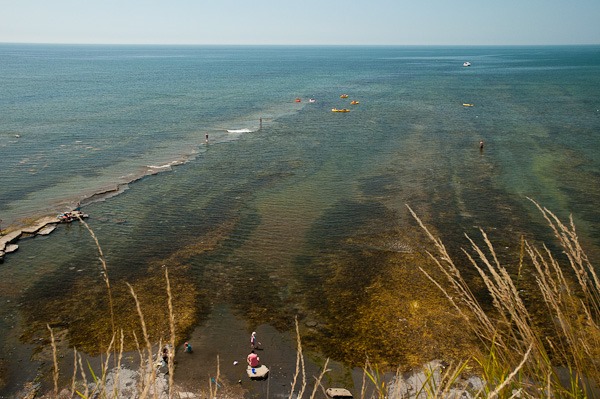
{"x":187,"y":348}
{"x":253,"y":359}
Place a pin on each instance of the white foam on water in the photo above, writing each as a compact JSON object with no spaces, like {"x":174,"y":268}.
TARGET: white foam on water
{"x":240,"y":130}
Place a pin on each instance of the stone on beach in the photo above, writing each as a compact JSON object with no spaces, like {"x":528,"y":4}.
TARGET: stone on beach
{"x":338,"y":393}
{"x":258,"y":373}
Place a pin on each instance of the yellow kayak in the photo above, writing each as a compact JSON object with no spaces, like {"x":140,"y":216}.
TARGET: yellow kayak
{"x":340,"y":110}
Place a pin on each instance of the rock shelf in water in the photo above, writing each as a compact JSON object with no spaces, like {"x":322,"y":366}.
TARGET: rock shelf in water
{"x":43,"y":226}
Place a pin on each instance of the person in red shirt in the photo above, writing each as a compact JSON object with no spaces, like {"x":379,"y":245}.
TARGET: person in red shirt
{"x":253,"y":359}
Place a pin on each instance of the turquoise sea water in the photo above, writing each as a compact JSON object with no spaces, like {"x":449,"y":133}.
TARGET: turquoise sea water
{"x":77,"y":121}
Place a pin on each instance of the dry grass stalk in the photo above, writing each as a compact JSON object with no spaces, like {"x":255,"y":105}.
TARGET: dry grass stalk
{"x":477,"y":319}
{"x":449,"y":378}
{"x":512,"y":375}
{"x":54,"y":360}
{"x":395,"y":394}
{"x":437,"y":382}
{"x":146,"y":381}
{"x":104,"y":274}
{"x":143,"y":362}
{"x":213,"y":390}
{"x":576,"y":311}
{"x":74,"y":377}
{"x":319,"y":379}
{"x":106,"y":279}
{"x":363,"y":387}
{"x":573,"y":309}
{"x":430,"y":387}
{"x":373,"y":374}
{"x":300,"y":369}
{"x":100,"y":384}
{"x":299,"y":366}
{"x":506,"y":300}
{"x":578,"y":260}
{"x":575,"y":315}
{"x":118,"y":368}
{"x":86,"y":392}
{"x":172,"y":330}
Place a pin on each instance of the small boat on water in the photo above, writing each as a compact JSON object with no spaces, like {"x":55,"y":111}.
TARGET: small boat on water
{"x":298,"y":100}
{"x":344,"y":96}
{"x":312,"y":100}
{"x":466,"y":64}
{"x":340,"y":110}
{"x":354,"y":102}
{"x":468,"y":104}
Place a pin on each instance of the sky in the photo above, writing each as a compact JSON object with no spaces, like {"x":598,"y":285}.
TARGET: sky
{"x":302,"y":22}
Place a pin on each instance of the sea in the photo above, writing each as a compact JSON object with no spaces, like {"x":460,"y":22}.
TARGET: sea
{"x":211,"y":160}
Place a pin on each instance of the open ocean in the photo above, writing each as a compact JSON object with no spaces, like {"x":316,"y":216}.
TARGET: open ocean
{"x":121,"y":129}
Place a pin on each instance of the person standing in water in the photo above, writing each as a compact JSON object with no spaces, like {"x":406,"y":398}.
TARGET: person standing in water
{"x":253,"y":341}
{"x":165,"y":356}
{"x":206,"y":137}
{"x":253,"y":359}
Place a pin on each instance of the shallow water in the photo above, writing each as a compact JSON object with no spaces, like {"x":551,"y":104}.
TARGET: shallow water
{"x":295,"y":217}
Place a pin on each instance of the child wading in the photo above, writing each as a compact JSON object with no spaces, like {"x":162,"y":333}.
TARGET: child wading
{"x":253,"y":341}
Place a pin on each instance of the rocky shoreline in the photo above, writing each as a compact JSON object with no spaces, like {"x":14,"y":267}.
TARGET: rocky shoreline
{"x":125,"y":382}
{"x":43,"y":226}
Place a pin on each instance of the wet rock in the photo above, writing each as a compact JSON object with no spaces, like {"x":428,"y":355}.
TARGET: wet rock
{"x":414,"y":385}
{"x":47,"y":230}
{"x":475,"y":383}
{"x":30,"y":390}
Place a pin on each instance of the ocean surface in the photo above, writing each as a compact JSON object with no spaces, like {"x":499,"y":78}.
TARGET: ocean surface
{"x":281,"y":186}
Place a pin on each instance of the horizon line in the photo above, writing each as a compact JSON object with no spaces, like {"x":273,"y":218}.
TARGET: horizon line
{"x":301,"y":45}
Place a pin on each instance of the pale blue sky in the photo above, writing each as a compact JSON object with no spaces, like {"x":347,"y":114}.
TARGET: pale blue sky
{"x":394,"y":22}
